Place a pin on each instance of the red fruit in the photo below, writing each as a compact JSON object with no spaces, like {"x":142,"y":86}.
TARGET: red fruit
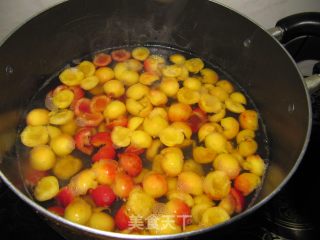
{"x":105,"y":171}
{"x":197,"y":119}
{"x":123,"y":184}
{"x":65,"y":196}
{"x":122,"y":219}
{"x":32,"y":176}
{"x":181,"y":211}
{"x":135,"y":150}
{"x":102,"y":59}
{"x":121,"y":121}
{"x":89,"y":119}
{"x":78,"y":94}
{"x":120,"y":55}
{"x":82,"y":140}
{"x":82,"y":106}
{"x":57,"y":210}
{"x":239,"y":200}
{"x":105,"y":152}
{"x":103,"y":196}
{"x":131,"y":163}
{"x":101,"y":138}
{"x":99,"y":103}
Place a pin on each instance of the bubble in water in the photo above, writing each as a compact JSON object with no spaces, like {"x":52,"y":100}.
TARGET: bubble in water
{"x":9,"y":69}
{"x":247,"y":42}
{"x":291,"y":108}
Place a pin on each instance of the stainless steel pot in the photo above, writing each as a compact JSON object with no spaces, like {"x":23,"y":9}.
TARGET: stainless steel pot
{"x":233,"y":43}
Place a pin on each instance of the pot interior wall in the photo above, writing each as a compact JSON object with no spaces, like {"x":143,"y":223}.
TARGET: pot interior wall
{"x":228,"y":40}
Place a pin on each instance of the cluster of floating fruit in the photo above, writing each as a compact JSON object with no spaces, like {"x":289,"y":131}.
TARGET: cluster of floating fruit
{"x":131,"y":109}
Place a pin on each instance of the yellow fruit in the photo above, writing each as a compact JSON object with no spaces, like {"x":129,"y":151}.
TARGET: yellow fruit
{"x":172,"y":162}
{"x":177,"y":58}
{"x":157,"y":97}
{"x":154,"y":125}
{"x":140,"y":139}
{"x":171,"y":136}
{"x":247,"y":147}
{"x":69,"y":128}
{"x":230,"y":127}
{"x":198,"y":210}
{"x":46,"y":188}
{"x":249,"y":120}
{"x":169,"y":86}
{"x":188,"y":96}
{"x":184,"y":127}
{"x":71,"y":76}
{"x":140,"y":53}
{"x":60,"y":117}
{"x":140,"y":108}
{"x":254,"y":164}
{"x":186,"y":197}
{"x":37,"y":117}
{"x":129,"y":77}
{"x":238,"y":97}
{"x":114,"y":110}
{"x":87,"y":68}
{"x":83,"y":181}
{"x":228,"y":164}
{"x":210,"y":103}
{"x":89,"y":83}
{"x":101,"y":221}
{"x":217,"y":185}
{"x":63,"y":98}
{"x":193,"y":166}
{"x":203,"y":155}
{"x":114,"y":88}
{"x":171,"y":71}
{"x":137,"y":91}
{"x":226,"y":85}
{"x":244,"y":135}
{"x":62,"y":145}
{"x":213,"y":216}
{"x":135,"y":122}
{"x":234,"y":107}
{"x":148,"y":78}
{"x":104,"y":74}
{"x":205,"y":130}
{"x":153,"y":150}
{"x":217,"y":142}
{"x":190,"y":182}
{"x":42,"y":158}
{"x":192,"y":83}
{"x":155,"y":185}
{"x":209,"y":76}
{"x":121,"y":136}
{"x":32,"y":136}
{"x":194,"y":65}
{"x":78,"y":211}
{"x":134,"y":204}
{"x":66,"y":167}
{"x":220,"y":93}
{"x":53,"y":131}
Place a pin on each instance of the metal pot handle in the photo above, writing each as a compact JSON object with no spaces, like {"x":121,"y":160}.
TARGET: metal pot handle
{"x":295,"y":26}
